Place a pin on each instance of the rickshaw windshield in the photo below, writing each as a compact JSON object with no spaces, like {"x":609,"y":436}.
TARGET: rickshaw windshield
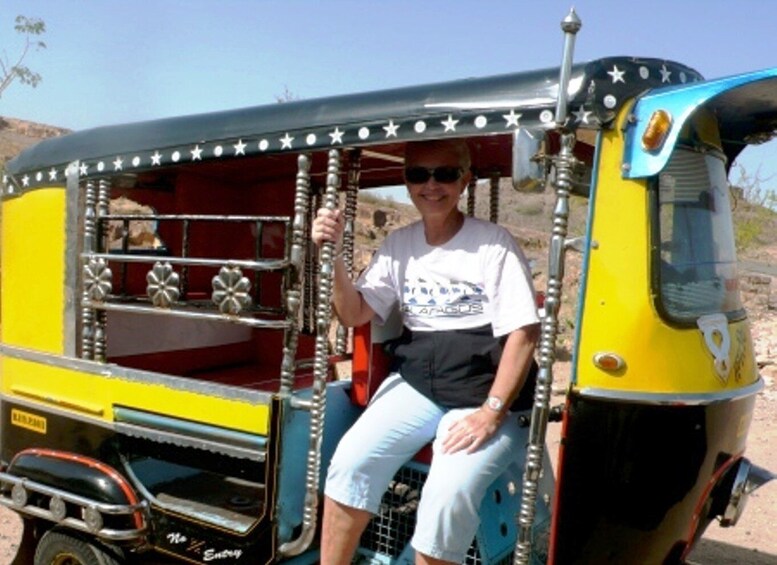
{"x":697,"y":257}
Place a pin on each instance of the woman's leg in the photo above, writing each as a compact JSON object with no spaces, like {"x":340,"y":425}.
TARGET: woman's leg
{"x":448,"y":512}
{"x":340,"y":531}
{"x":396,"y":424}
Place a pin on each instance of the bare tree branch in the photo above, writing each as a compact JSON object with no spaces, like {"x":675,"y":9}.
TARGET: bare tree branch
{"x":31,"y":28}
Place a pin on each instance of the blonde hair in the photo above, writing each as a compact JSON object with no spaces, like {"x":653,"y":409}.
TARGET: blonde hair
{"x":458,"y":146}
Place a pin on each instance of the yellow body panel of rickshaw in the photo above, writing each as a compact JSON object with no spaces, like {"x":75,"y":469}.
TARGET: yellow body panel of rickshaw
{"x":619,"y":313}
{"x":33,"y":270}
{"x":95,"y":394}
{"x":33,"y":306}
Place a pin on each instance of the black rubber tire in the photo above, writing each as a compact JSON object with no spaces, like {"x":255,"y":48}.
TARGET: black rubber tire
{"x":59,"y":548}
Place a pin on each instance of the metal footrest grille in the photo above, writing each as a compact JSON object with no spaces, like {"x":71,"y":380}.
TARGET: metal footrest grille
{"x":390,"y":531}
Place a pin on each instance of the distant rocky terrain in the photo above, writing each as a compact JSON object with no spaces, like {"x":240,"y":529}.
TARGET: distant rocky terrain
{"x":16,"y":135}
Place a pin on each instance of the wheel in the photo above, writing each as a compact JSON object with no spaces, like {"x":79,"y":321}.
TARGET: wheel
{"x":59,"y":548}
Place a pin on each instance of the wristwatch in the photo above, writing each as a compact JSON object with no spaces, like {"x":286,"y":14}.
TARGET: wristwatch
{"x":494,"y":403}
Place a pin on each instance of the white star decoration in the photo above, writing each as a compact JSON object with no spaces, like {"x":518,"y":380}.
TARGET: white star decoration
{"x":286,"y":141}
{"x":450,"y":124}
{"x":25,"y":180}
{"x":156,"y":158}
{"x":617,"y":74}
{"x":337,"y":136}
{"x":582,"y":115}
{"x":240,"y":147}
{"x":196,"y":153}
{"x":118,"y":164}
{"x":391,"y":129}
{"x":665,"y":73}
{"x":82,"y":168}
{"x":53,"y":174}
{"x":512,"y":119}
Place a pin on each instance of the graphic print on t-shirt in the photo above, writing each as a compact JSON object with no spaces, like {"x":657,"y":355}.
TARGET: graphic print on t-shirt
{"x":442,"y":299}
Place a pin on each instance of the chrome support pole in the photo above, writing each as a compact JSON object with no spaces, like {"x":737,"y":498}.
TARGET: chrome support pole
{"x":349,"y":236}
{"x":311,"y":269}
{"x":473,"y":183}
{"x":320,"y":372}
{"x":90,"y":241}
{"x":101,"y":241}
{"x":570,"y":25}
{"x":297,"y":259}
{"x":494,"y":199}
{"x":186,"y":227}
{"x":564,"y":164}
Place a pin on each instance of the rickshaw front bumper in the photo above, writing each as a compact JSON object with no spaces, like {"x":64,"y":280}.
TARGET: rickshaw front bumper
{"x":748,"y":478}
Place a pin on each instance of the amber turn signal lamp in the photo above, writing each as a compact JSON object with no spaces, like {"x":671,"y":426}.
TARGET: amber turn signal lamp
{"x":610,"y":362}
{"x":657,"y":130}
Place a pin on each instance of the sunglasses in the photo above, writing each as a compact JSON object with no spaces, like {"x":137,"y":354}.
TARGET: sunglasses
{"x":421,"y":175}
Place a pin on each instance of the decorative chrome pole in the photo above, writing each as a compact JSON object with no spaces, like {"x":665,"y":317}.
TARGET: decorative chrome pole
{"x":185,"y":253}
{"x":317,"y":404}
{"x":349,"y":235}
{"x":101,"y":242}
{"x":311,"y":269}
{"x":297,"y":259}
{"x":564,"y":165}
{"x":90,"y":240}
{"x":494,"y":199}
{"x":473,"y":183}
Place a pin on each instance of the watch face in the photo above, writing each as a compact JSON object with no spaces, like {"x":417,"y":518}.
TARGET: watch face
{"x":494,"y":402}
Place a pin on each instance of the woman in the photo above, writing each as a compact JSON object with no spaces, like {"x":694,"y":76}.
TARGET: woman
{"x":464,"y":290}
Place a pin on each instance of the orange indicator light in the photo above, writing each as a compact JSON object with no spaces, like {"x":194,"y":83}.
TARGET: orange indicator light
{"x":610,"y":362}
{"x":657,"y":130}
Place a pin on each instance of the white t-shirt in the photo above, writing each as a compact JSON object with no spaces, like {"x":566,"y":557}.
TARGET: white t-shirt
{"x":480,"y":276}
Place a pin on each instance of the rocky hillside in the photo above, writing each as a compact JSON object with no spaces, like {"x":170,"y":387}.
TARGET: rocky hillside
{"x":16,"y":135}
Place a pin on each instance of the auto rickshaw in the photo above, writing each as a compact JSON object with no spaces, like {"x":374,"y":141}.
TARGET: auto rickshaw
{"x":167,"y":381}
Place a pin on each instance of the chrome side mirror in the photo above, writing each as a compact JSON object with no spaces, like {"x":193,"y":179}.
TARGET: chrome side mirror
{"x":528,"y":162}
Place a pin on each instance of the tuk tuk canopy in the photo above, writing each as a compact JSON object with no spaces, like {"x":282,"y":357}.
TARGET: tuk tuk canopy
{"x":469,"y":107}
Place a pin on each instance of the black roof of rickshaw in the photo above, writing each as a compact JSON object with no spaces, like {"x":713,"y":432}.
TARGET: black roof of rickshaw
{"x":475,"y":106}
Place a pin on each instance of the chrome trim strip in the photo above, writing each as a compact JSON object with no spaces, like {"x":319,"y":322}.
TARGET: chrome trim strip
{"x":263,"y":265}
{"x":70,"y":334}
{"x":197,"y":217}
{"x":140,"y":419}
{"x":181,"y":440}
{"x":673,"y":399}
{"x":110,"y":370}
{"x":233,"y":319}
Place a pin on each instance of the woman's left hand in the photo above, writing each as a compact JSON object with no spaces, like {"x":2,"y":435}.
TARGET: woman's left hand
{"x":472,"y":431}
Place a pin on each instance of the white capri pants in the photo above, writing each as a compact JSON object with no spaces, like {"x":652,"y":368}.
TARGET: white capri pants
{"x":397,"y":423}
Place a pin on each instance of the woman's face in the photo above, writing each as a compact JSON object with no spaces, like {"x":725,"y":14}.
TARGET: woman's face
{"x":436,"y":197}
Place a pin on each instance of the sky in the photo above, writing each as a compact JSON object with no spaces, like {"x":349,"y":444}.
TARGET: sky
{"x":117,"y":61}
